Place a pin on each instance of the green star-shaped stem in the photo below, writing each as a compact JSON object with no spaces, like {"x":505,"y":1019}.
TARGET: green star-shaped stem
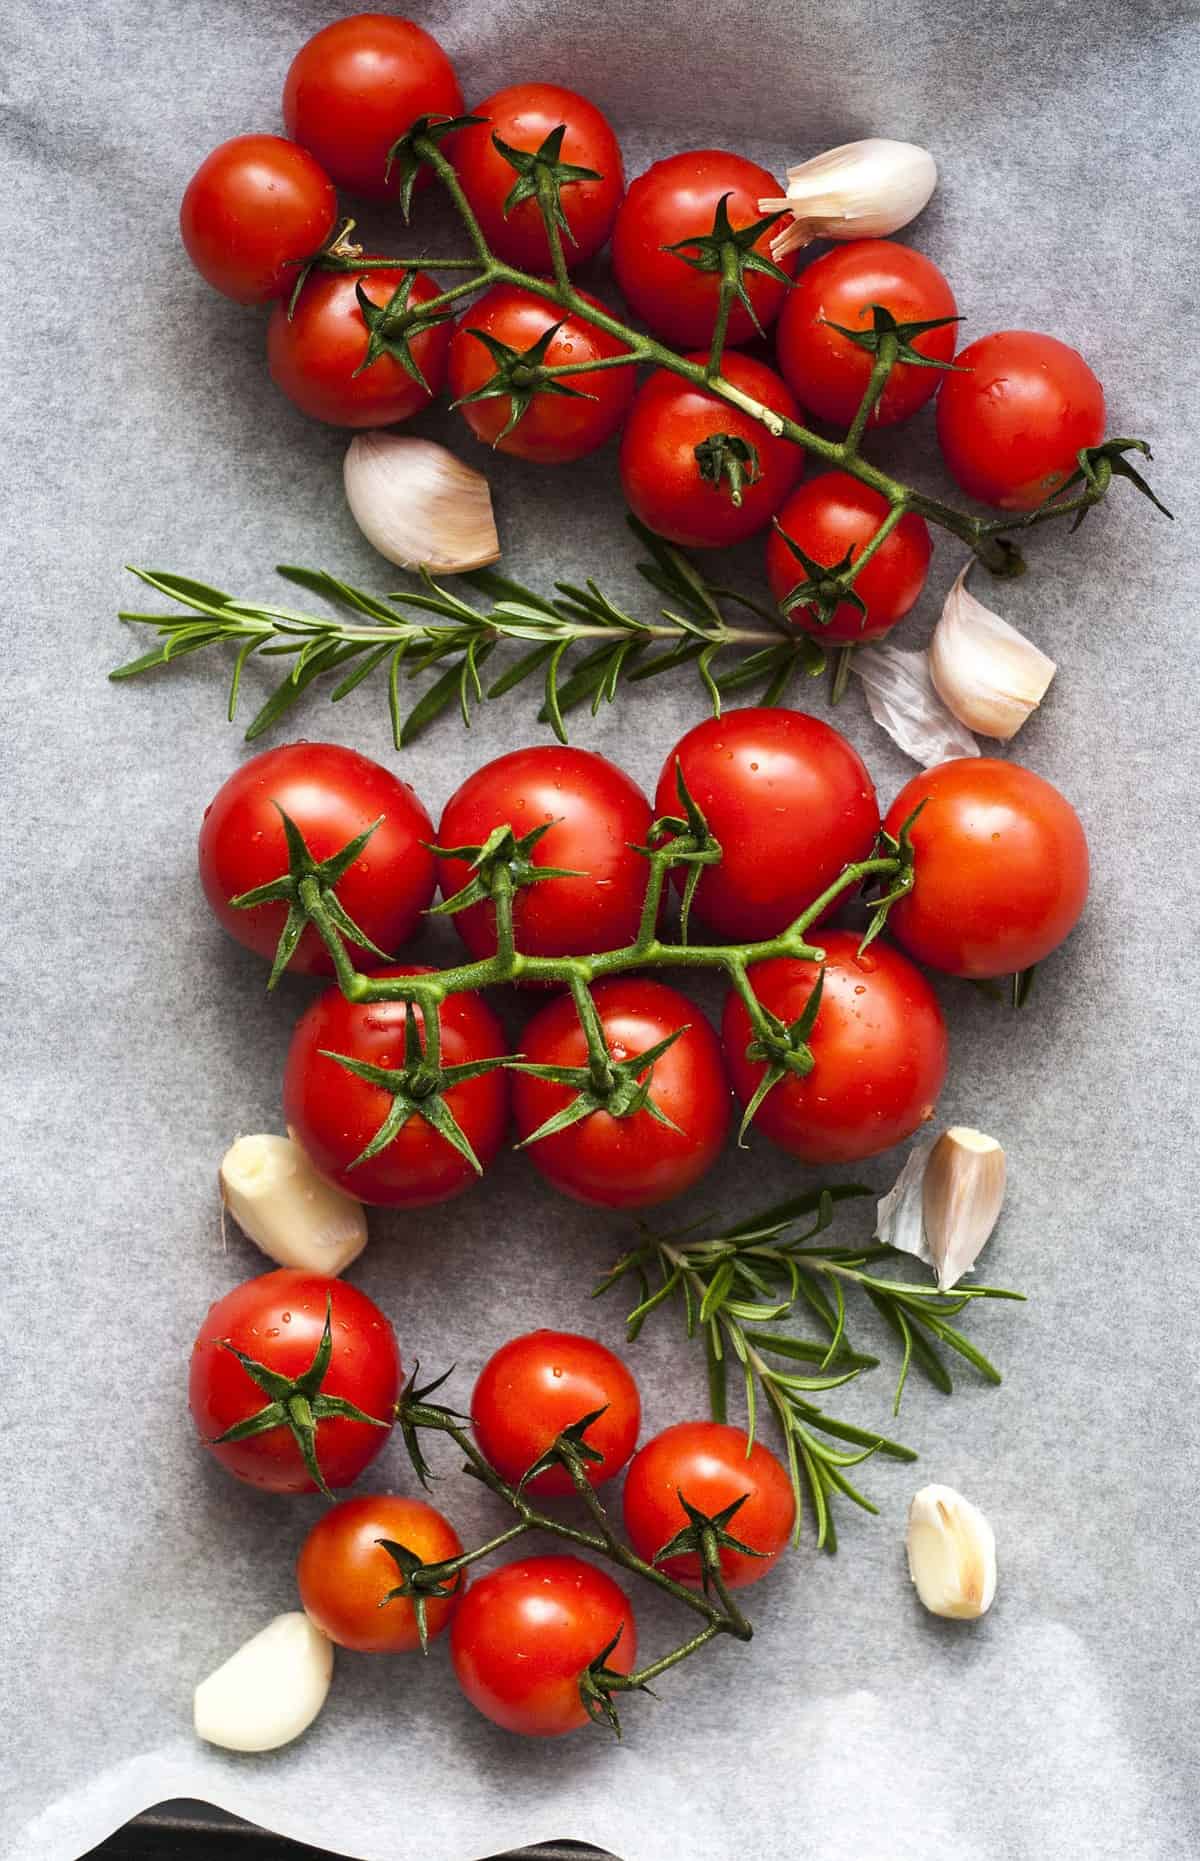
{"x":502,"y":848}
{"x":784,"y":1046}
{"x":521,"y":375}
{"x":392,"y":326}
{"x":569,"y":1449}
{"x":325,"y":874}
{"x":706,"y":1535}
{"x":730,"y":462}
{"x":613,"y":1087}
{"x":418,"y":1582}
{"x":883,"y":323}
{"x":732,"y":247}
{"x":403,"y":160}
{"x":596,"y":1687}
{"x":413,"y":1412}
{"x":1097,"y":467}
{"x":544,"y":165}
{"x":892,"y":846}
{"x":825,"y":587}
{"x":696,"y":846}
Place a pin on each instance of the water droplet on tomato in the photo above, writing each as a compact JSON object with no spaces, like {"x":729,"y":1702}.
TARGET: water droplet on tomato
{"x":286,"y":1317}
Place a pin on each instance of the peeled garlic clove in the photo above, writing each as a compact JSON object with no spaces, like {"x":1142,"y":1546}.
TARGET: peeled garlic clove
{"x":961,"y":1196}
{"x":419,"y":505}
{"x":280,"y":1203}
{"x":862,"y":190}
{"x":990,"y":676}
{"x":270,"y":1691}
{"x":951,"y":1553}
{"x":902,"y":700}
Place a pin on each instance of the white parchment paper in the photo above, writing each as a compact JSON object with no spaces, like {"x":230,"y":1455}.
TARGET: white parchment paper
{"x":140,"y":425}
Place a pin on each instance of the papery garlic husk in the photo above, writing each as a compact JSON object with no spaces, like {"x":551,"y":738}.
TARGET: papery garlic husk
{"x":419,"y":505}
{"x":271,"y":1189}
{"x":945,"y":1202}
{"x":990,"y":676}
{"x":862,"y":190}
{"x":270,"y":1691}
{"x":901,"y":698}
{"x":951,"y":1554}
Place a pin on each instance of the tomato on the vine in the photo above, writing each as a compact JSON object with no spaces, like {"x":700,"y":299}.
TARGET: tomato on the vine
{"x":830,"y":372}
{"x":254,"y":209}
{"x":789,"y":800}
{"x":1001,"y":867}
{"x":878,"y":1047}
{"x":711,"y":1465}
{"x":1012,"y":425}
{"x":829,"y":517}
{"x":316,"y":355}
{"x":536,"y":1386}
{"x":345,"y":1575}
{"x":524,"y":1636}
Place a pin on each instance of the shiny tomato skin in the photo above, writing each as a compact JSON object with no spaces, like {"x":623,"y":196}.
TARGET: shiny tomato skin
{"x":356,"y":86}
{"x":834,"y":513}
{"x":524,"y":1634}
{"x":254,"y":208}
{"x":599,"y":816}
{"x":828,"y":371}
{"x":632,"y":1162}
{"x":343,"y":1573}
{"x":523,"y":115}
{"x":1001,"y":868}
{"x":677,"y":199}
{"x":335,"y":1115}
{"x":313,"y":357}
{"x":555,"y":428}
{"x":1011,"y":427}
{"x":536,"y":1386}
{"x":278,"y":1319}
{"x":332,"y":794}
{"x":708,"y":1463}
{"x":661,"y":477}
{"x":879,"y":1049}
{"x":790,"y":801}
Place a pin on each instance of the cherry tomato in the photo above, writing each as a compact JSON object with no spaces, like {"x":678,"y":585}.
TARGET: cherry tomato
{"x":253,"y":208}
{"x":790,"y":801}
{"x":827,"y":370}
{"x":524,"y":1635}
{"x":335,"y":1115}
{"x":332,"y":794}
{"x":685,"y":494}
{"x":1012,"y":426}
{"x":278,"y":1320}
{"x":314,"y":357}
{"x":828,"y":516}
{"x":1001,"y":868}
{"x":523,"y":115}
{"x":594,"y":815}
{"x":344,"y":1574}
{"x":879,"y":1051}
{"x":709,"y":1464}
{"x":555,"y":427}
{"x":677,"y":199}
{"x":356,"y":86}
{"x":536,"y":1386}
{"x":635,"y":1161}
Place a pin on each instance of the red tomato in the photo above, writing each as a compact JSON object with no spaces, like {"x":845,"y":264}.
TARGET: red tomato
{"x":356,"y":86}
{"x":790,"y":801}
{"x":555,"y":427}
{"x":278,"y":1320}
{"x":313,"y":357}
{"x":709,"y":1464}
{"x":525,"y":1634}
{"x":828,"y":516}
{"x":254,"y":208}
{"x":827,"y":370}
{"x":332,"y":794}
{"x":344,"y":1573}
{"x":677,"y":199}
{"x":878,"y":1046}
{"x":523,"y":115}
{"x":535,"y":1387}
{"x":1001,"y":868}
{"x":335,"y":1115}
{"x":630,"y":1162}
{"x":597,"y":815}
{"x":1012,"y":427}
{"x":672,"y":489}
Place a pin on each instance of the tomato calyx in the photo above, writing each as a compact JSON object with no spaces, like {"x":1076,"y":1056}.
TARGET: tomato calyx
{"x":391,"y":328}
{"x":521,"y":374}
{"x":728,"y":461}
{"x":541,"y":175}
{"x":414,"y":1411}
{"x":705,"y":1536}
{"x":418,"y":1582}
{"x":569,"y":1449}
{"x":1098,"y":466}
{"x":684,"y":840}
{"x":784,"y":1047}
{"x":826,"y":587}
{"x":597,"y":1684}
{"x":406,"y":157}
{"x":502,"y":852}
{"x":604,"y":1084}
{"x":897,"y":846}
{"x":308,"y":888}
{"x":883,"y":323}
{"x":729,"y":251}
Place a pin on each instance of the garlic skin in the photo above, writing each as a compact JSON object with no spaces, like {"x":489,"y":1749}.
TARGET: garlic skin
{"x":945,"y":1202}
{"x":270,"y":1691}
{"x":951,"y":1554}
{"x":901,"y":698}
{"x":280,"y":1203}
{"x":985,"y":672}
{"x":862,"y":190}
{"x":418,"y":505}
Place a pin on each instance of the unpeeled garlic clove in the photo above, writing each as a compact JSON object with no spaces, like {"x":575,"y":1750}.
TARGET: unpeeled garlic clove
{"x":862,"y":190}
{"x":951,"y":1554}
{"x":419,"y":505}
{"x":902,"y":700}
{"x":271,"y":1189}
{"x":270,"y":1691}
{"x":987,"y":673}
{"x":945,"y":1202}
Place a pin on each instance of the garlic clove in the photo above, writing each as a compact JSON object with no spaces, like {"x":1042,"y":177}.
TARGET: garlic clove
{"x":945,"y":1202}
{"x":270,"y":1691}
{"x":419,"y":505}
{"x":987,"y":673}
{"x":271,"y":1189}
{"x":951,"y":1554}
{"x":901,"y":698}
{"x":861,"y":190}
